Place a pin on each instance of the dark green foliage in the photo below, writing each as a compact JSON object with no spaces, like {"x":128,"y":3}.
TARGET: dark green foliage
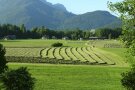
{"x":8,"y":29}
{"x":128,"y":79}
{"x":48,"y":60}
{"x":108,"y":32}
{"x":38,"y":32}
{"x":57,"y":44}
{"x":3,"y":61}
{"x":19,"y":79}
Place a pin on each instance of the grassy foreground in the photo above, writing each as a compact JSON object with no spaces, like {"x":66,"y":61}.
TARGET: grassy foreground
{"x":74,"y":77}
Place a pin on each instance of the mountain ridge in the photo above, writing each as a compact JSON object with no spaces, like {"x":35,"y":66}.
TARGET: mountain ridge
{"x":35,"y":13}
{"x":99,"y":16}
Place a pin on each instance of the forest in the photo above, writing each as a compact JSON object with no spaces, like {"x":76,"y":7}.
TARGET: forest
{"x":73,"y":34}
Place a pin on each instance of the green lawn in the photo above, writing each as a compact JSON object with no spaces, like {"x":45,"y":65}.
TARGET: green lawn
{"x":74,"y":77}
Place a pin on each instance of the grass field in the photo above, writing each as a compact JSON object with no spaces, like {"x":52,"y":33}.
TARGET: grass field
{"x":40,"y":43}
{"x":72,"y":52}
{"x":102,"y":43}
{"x":72,"y":77}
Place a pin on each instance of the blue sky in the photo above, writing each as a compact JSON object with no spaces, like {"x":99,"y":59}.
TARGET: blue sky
{"x":83,"y":6}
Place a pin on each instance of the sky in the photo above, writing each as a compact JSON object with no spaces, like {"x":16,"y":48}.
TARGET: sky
{"x":83,"y":6}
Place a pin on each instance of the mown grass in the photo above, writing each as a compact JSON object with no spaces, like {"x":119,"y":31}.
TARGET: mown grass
{"x":25,"y":52}
{"x":101,"y":43}
{"x":74,"y":77}
{"x":40,"y":43}
{"x":118,"y":51}
{"x":121,"y":52}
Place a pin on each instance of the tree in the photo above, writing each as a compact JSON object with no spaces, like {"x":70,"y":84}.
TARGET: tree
{"x":108,"y":32}
{"x":19,"y":79}
{"x":23,"y":28}
{"x":3,"y":61}
{"x":126,"y":10}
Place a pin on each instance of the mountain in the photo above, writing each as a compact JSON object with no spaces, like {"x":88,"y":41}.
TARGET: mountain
{"x":57,"y":6}
{"x":60,"y":7}
{"x":91,"y":20}
{"x":31,"y":13}
{"x":35,"y":13}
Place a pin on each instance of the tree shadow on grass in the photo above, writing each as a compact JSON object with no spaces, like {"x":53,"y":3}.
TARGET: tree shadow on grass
{"x":10,"y":41}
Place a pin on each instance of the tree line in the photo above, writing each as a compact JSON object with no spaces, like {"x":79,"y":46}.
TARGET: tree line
{"x":35,"y":33}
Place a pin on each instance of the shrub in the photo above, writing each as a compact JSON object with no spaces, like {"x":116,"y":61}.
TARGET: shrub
{"x":57,"y":44}
{"x":128,"y":79}
{"x":19,"y":79}
{"x":3,"y":61}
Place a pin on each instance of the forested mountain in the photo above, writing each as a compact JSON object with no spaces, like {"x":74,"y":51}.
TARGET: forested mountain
{"x":96,"y":19}
{"x":35,"y":13}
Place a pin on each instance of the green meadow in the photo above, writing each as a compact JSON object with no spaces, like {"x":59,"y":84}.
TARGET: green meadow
{"x":72,"y":76}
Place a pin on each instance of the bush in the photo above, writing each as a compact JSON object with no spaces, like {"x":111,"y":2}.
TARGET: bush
{"x":3,"y":61}
{"x":19,"y":79}
{"x":57,"y":44}
{"x":128,"y":79}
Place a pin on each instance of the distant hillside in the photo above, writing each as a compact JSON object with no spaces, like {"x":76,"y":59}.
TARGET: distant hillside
{"x":34,"y":13}
{"x":91,"y":20}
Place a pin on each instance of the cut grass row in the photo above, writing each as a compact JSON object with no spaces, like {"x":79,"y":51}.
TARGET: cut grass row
{"x":56,"y":54}
{"x":66,"y":55}
{"x":104,"y":57}
{"x":25,"y":52}
{"x":70,"y":54}
{"x":81,"y":54}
